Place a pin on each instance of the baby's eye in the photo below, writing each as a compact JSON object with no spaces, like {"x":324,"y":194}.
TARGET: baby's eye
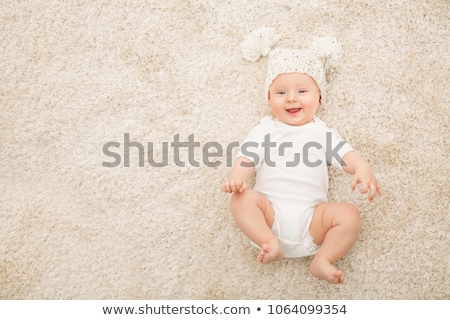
{"x":301,"y":91}
{"x":281,"y":92}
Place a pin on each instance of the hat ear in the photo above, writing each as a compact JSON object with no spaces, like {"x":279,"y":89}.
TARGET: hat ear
{"x":259,"y":43}
{"x":328,"y":50}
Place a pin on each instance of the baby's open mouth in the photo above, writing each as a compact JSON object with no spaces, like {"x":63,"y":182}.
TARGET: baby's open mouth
{"x":293,"y":110}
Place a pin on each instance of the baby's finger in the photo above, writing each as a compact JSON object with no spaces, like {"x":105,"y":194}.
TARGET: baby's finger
{"x":237,"y":185}
{"x":354,"y":183}
{"x":373,"y":190}
{"x":233,"y":187}
{"x":364,"y":188}
{"x":240,"y":185}
{"x":226,"y":187}
{"x":232,"y":183}
{"x":243,"y":187}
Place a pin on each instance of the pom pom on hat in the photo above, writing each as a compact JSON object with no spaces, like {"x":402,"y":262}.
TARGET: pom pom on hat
{"x":328,"y":50}
{"x":259,"y":43}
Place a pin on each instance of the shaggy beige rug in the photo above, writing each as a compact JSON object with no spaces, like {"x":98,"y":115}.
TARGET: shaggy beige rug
{"x":91,"y":91}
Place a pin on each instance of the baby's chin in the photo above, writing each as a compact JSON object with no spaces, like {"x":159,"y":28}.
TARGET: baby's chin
{"x":296,"y":120}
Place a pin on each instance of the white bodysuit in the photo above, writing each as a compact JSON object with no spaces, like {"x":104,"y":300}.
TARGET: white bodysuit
{"x":291,"y":166}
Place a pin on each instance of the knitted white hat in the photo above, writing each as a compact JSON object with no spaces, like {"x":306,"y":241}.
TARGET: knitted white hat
{"x":322,"y":55}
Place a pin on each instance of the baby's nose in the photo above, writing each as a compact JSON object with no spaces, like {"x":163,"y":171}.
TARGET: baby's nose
{"x":291,"y":97}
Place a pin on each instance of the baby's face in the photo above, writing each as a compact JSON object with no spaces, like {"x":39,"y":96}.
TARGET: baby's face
{"x":294,"y":98}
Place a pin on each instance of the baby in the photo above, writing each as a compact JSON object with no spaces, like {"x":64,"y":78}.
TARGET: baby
{"x":287,"y":214}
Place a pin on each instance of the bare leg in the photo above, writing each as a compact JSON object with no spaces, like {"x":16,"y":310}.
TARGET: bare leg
{"x":253,"y":214}
{"x":335,"y":226}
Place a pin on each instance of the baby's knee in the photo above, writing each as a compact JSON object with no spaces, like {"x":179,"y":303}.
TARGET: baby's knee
{"x":352,"y":216}
{"x":239,"y":199}
{"x":247,"y":200}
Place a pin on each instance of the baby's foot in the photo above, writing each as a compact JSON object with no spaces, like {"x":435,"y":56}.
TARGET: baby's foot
{"x":271,"y":251}
{"x":322,"y":268}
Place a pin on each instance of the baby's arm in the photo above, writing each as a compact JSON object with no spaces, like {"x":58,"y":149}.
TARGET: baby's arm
{"x":362,"y":173}
{"x":242,"y":169}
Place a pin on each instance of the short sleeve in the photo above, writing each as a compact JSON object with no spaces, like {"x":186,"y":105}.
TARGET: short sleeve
{"x":335,"y":148}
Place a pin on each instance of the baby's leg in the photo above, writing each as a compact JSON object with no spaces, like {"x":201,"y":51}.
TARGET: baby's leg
{"x":334,"y":226}
{"x":253,"y":214}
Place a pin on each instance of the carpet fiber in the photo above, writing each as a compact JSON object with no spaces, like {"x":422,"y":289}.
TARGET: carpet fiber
{"x":94,"y":94}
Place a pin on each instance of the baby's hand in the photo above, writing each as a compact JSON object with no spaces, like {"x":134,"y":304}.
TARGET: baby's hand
{"x":234,"y":185}
{"x":364,"y":176}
